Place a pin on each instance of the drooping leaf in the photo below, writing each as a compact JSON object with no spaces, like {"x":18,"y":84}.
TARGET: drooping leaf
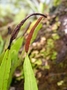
{"x":30,"y":81}
{"x":5,"y":70}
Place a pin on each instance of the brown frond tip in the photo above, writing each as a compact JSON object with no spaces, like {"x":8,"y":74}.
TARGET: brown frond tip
{"x":16,"y":30}
{"x":31,"y":34}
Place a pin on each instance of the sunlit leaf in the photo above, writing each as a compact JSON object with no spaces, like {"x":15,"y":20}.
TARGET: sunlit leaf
{"x":30,"y":81}
{"x":17,"y":44}
{"x":14,"y":57}
{"x":5,"y":70}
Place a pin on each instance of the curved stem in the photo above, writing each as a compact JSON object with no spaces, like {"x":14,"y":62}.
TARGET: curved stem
{"x":16,"y":30}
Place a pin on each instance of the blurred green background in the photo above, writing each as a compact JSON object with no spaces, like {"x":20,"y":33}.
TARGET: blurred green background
{"x":16,"y":10}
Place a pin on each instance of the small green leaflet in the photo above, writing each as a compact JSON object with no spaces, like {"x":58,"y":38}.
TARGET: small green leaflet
{"x":30,"y":81}
{"x":5,"y":70}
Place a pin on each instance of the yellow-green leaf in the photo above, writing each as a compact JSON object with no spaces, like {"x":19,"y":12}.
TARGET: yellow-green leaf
{"x":30,"y":81}
{"x":14,"y":57}
{"x":5,"y":70}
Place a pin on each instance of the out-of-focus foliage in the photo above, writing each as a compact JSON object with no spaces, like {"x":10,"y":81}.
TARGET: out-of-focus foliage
{"x":56,"y":2}
{"x":15,"y":10}
{"x":18,"y":9}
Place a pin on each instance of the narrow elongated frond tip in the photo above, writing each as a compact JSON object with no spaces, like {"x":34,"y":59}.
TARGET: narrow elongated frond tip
{"x":16,"y":30}
{"x":28,"y":40}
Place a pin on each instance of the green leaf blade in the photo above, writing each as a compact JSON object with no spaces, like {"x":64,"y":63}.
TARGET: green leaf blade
{"x":1,"y":44}
{"x":30,"y":81}
{"x":14,"y":57}
{"x":36,"y":32}
{"x":5,"y":70}
{"x":16,"y":46}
